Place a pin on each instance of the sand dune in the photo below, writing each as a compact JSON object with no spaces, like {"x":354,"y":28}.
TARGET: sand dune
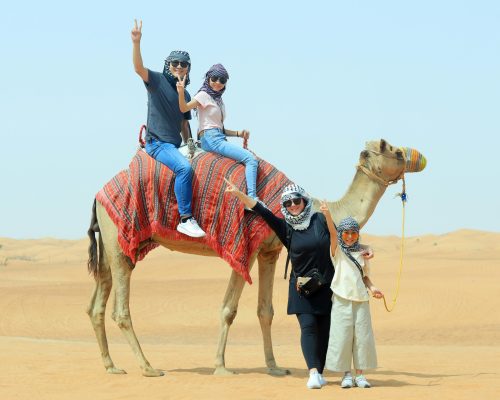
{"x":441,"y":341}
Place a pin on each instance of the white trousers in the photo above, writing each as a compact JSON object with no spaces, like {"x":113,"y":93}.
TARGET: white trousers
{"x":351,"y":336}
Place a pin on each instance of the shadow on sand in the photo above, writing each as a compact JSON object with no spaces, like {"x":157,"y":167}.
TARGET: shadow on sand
{"x":376,"y":378}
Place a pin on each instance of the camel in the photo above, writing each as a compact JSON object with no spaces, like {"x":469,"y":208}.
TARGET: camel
{"x":380,"y":164}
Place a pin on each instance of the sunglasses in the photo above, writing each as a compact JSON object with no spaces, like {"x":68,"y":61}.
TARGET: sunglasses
{"x":353,"y":235}
{"x":175,"y":64}
{"x":220,"y":79}
{"x":295,"y":201}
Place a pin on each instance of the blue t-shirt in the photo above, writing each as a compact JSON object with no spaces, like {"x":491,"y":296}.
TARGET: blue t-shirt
{"x":164,"y":115}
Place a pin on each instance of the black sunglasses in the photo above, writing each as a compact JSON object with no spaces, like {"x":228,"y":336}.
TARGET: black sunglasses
{"x":295,"y":201}
{"x":220,"y":79}
{"x":175,"y":64}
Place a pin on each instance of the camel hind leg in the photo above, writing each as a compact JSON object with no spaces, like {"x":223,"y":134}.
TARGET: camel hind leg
{"x":97,"y":310}
{"x":121,"y":272}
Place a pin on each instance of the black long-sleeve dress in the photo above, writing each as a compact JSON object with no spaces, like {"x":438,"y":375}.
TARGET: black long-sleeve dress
{"x":309,"y":248}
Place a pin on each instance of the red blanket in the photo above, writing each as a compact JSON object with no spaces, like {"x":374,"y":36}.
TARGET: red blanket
{"x":141,"y":202}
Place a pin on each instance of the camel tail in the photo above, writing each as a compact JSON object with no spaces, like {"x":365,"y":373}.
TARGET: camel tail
{"x":93,"y":262}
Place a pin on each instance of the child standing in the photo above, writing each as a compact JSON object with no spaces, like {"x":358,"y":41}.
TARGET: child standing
{"x":351,"y":333}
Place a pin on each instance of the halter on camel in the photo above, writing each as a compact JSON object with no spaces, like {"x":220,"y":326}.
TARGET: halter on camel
{"x":414,"y":162}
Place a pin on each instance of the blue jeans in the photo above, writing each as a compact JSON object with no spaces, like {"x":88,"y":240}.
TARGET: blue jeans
{"x":167,"y":154}
{"x":215,"y":141}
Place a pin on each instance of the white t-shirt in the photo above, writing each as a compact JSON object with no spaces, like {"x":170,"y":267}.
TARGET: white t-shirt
{"x":209,"y":112}
{"x":347,"y":282}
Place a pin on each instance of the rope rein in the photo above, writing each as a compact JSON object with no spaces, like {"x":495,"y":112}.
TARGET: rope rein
{"x":403,"y":197}
{"x":398,"y":282}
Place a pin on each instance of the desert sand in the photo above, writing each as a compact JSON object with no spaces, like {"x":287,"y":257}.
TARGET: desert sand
{"x":442,"y":341}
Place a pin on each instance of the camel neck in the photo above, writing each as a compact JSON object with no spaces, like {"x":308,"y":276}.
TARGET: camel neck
{"x":359,"y":201}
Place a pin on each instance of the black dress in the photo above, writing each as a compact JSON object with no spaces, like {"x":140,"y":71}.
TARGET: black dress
{"x":309,"y":248}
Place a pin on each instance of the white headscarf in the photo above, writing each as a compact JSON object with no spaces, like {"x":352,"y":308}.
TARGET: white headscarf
{"x":297,"y":222}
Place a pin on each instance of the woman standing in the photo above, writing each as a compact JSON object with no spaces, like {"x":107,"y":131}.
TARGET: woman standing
{"x":211,"y":114}
{"x":305,"y":234}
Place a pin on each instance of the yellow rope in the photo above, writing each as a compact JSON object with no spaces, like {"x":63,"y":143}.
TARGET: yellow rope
{"x":400,"y":258}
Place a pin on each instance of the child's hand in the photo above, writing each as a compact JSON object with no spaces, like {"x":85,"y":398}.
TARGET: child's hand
{"x":325,"y":210}
{"x":368,"y":253}
{"x":377,"y":293}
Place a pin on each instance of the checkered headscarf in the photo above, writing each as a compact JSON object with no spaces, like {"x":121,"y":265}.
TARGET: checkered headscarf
{"x":176,"y":55}
{"x":348,"y":224}
{"x":218,"y":71}
{"x":298,"y":222}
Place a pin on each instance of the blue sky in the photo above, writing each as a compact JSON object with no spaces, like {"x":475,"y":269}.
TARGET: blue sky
{"x":312,"y":81}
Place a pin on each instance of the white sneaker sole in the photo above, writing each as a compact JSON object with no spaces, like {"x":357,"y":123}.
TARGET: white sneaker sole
{"x":190,"y":234}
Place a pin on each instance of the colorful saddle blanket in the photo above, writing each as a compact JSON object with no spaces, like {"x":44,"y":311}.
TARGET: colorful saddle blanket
{"x":141,"y":202}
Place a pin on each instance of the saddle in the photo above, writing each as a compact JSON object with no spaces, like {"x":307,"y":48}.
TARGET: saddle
{"x":141,"y":202}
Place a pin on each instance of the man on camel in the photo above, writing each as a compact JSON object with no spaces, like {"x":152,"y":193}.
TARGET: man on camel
{"x":166,"y":123}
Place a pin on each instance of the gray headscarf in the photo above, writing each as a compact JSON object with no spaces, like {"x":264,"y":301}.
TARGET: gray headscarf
{"x":348,"y":224}
{"x":297,"y":222}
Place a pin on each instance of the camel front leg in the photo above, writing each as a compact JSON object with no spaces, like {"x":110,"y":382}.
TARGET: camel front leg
{"x":265,"y":310}
{"x":228,"y":313}
{"x":121,"y":314}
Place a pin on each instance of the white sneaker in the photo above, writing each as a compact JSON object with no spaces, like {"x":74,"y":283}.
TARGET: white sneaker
{"x":347,"y":382}
{"x":361,"y":382}
{"x":322,"y":380}
{"x":191,"y":228}
{"x":314,"y":381}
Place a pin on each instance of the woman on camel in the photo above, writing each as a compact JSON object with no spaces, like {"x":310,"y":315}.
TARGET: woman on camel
{"x":211,"y":115}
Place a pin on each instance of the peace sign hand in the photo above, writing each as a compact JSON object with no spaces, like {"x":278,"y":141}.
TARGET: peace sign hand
{"x":231,"y":187}
{"x":181,"y":83}
{"x":324,"y":209}
{"x":136,"y":32}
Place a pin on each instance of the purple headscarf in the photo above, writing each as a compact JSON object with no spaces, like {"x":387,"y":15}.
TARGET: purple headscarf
{"x":218,"y":71}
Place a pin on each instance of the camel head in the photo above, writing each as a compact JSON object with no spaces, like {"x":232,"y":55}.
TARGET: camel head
{"x":387,"y":164}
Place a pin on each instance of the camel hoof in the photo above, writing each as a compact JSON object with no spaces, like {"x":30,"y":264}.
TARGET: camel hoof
{"x":153,"y":373}
{"x":223,"y":371}
{"x":114,"y":370}
{"x":275,"y":371}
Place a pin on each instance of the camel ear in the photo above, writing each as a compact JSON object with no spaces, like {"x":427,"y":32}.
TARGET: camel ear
{"x":383,"y":145}
{"x":363,"y":155}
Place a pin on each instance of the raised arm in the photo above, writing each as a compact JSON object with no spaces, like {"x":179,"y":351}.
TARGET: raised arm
{"x":185,"y":107}
{"x":278,"y":225}
{"x":246,"y":200}
{"x":331,"y":226}
{"x":136,"y":53}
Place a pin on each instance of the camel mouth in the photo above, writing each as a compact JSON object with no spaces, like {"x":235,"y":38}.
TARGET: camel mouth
{"x":415,"y":161}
